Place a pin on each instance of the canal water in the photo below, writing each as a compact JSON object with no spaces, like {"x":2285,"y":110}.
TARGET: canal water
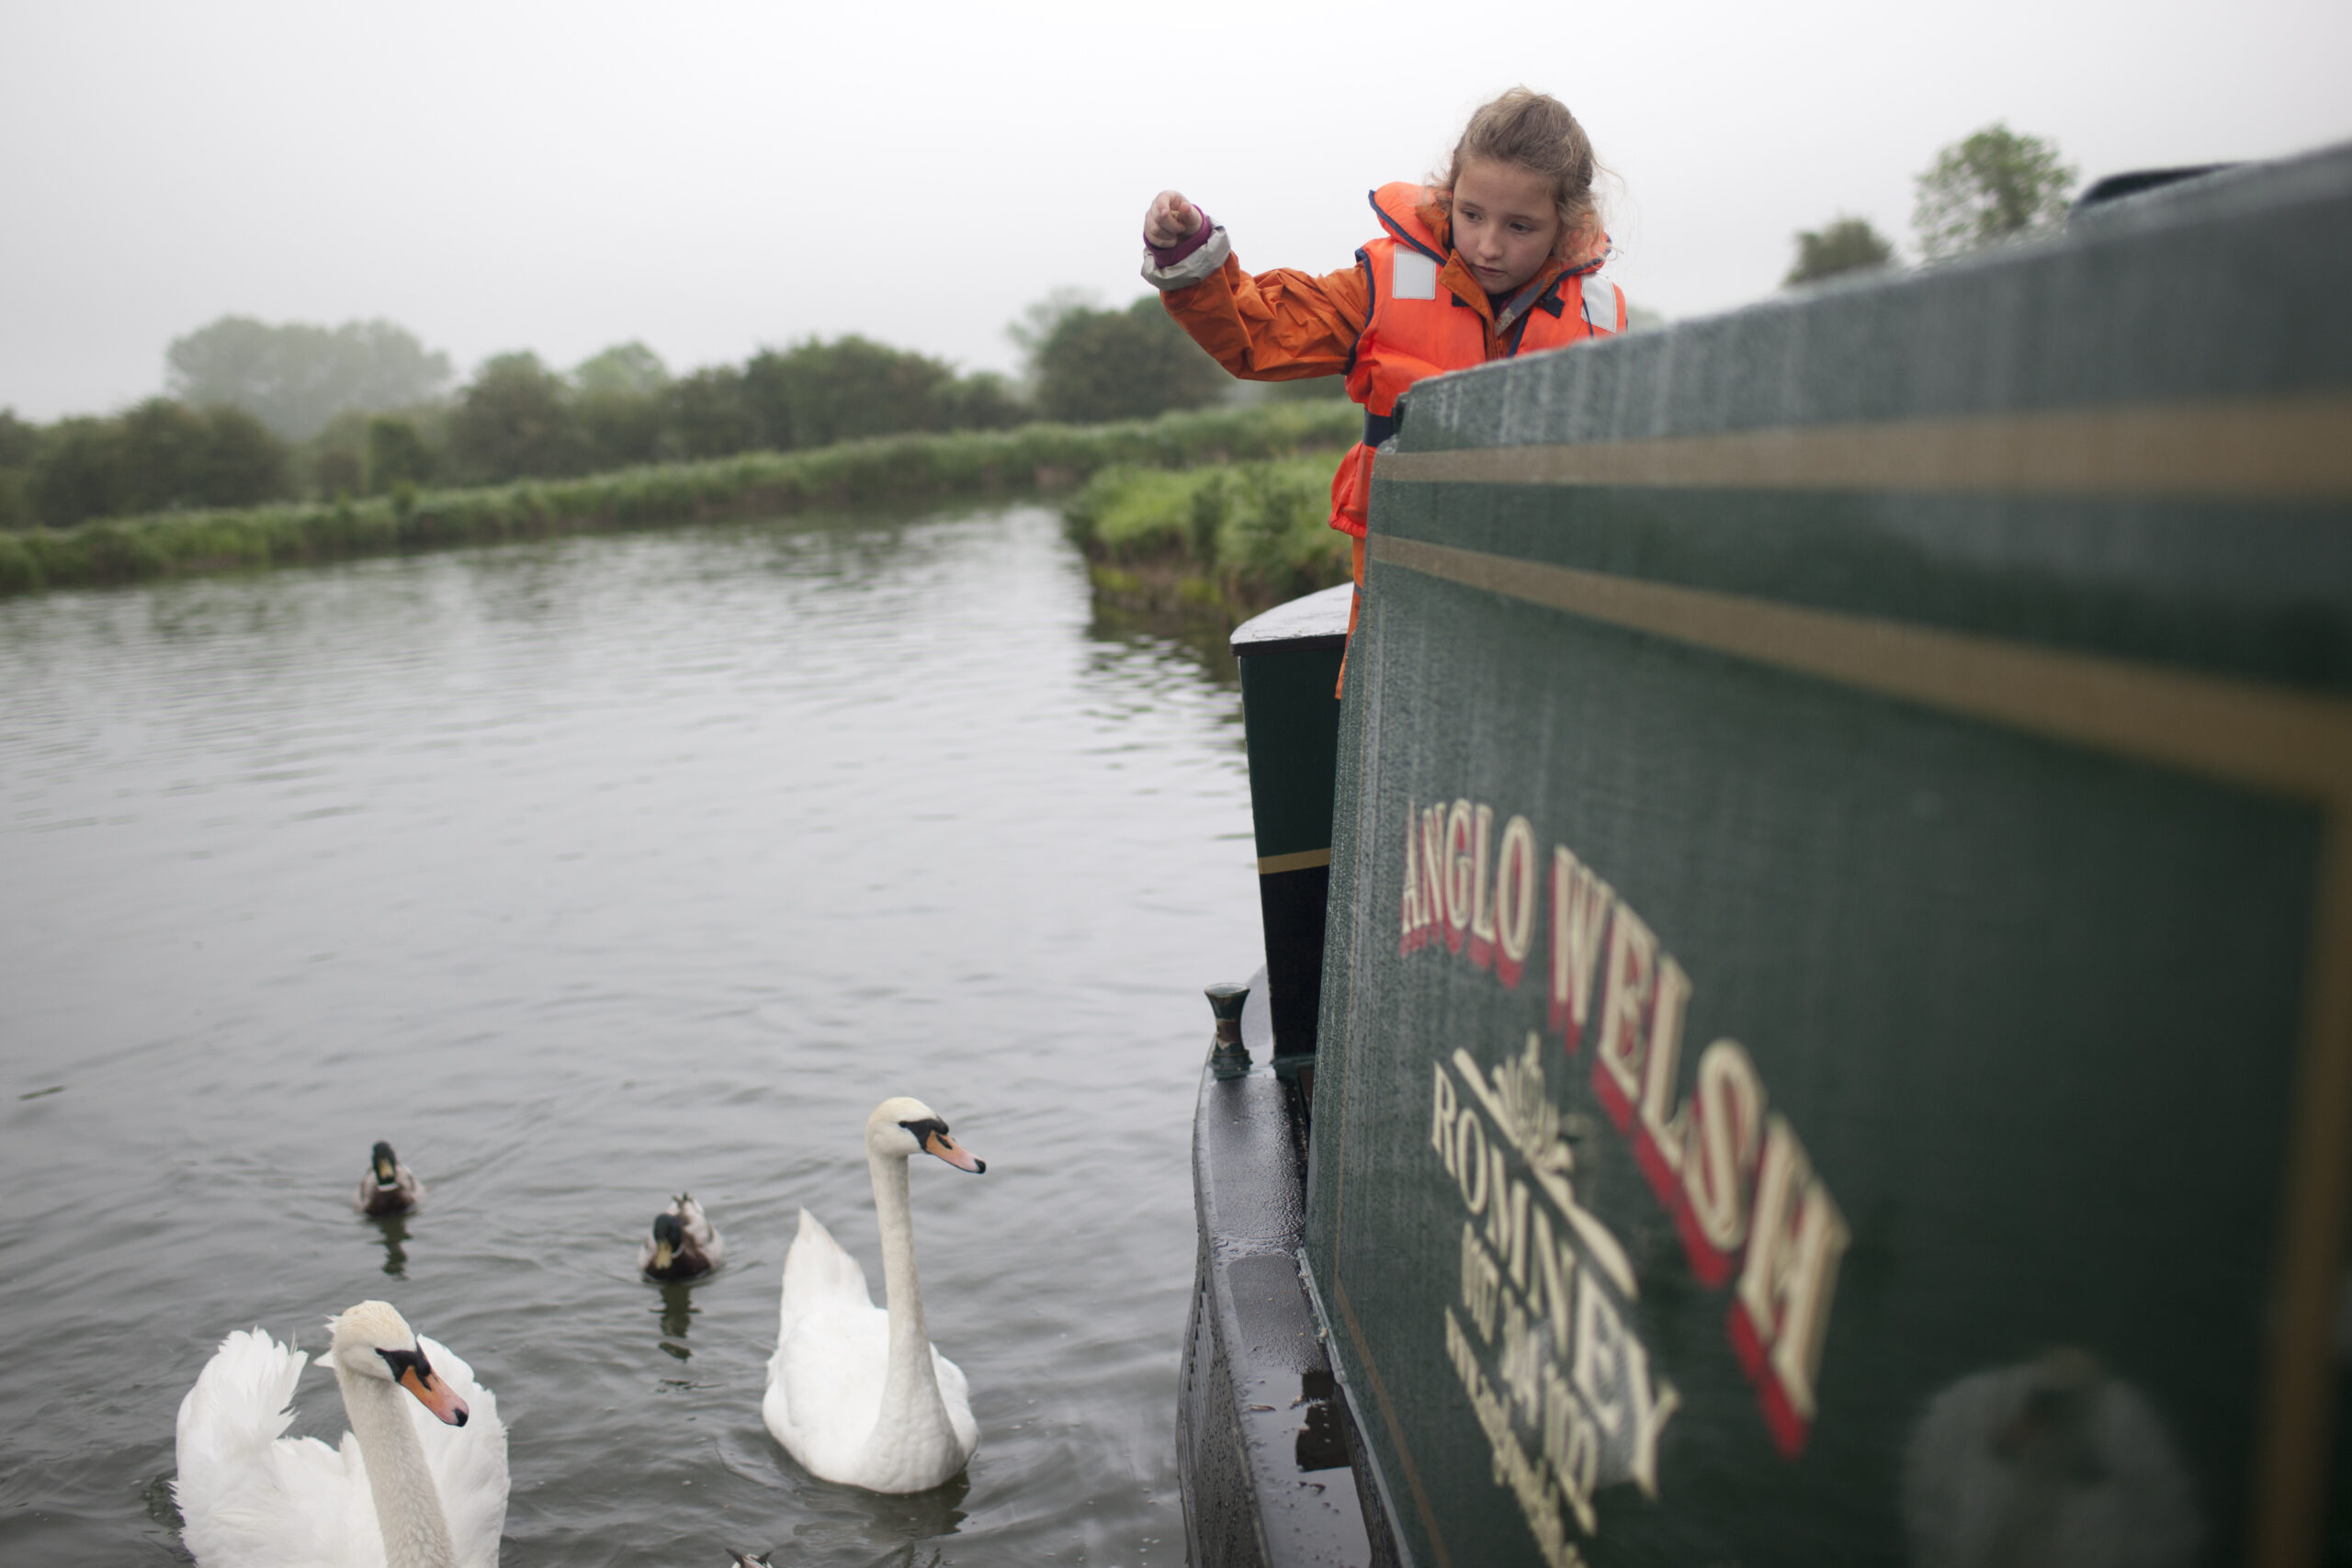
{"x":587,"y":872}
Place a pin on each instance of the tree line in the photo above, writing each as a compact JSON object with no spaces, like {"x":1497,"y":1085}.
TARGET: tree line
{"x":256,"y":412}
{"x":1985,"y":189}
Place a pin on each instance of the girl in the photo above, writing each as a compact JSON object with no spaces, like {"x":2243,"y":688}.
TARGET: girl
{"x":1497,"y":259}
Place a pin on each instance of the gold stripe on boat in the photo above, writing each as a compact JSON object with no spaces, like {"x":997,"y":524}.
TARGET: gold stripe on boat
{"x":1300,"y":860}
{"x":2280,"y":450}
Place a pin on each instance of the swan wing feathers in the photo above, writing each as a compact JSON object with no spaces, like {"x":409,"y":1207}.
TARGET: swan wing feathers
{"x":825,"y":1392}
{"x":825,"y":1385}
{"x":242,"y":1403}
{"x":250,"y":1496}
{"x":819,"y":1273}
{"x":469,"y":1462}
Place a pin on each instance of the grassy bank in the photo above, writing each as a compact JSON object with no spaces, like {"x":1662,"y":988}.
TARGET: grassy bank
{"x":1204,"y":548}
{"x":945,"y":467}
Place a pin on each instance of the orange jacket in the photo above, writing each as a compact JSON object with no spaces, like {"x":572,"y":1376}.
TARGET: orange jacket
{"x":1382,"y":328}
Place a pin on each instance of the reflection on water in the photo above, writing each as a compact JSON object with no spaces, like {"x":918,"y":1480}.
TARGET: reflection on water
{"x":845,"y":1523}
{"x":677,"y":1310}
{"x":156,"y":1500}
{"x":2054,"y":1462}
{"x":1201,"y":633}
{"x":582,"y":871}
{"x":395,"y":1232}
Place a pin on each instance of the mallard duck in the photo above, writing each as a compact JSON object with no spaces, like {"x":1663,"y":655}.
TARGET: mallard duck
{"x":389,"y":1186}
{"x":419,"y":1482}
{"x":857,"y":1392}
{"x":683,"y":1245}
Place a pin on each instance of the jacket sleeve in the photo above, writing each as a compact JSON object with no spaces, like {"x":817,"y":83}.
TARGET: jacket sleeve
{"x":1276,"y":326}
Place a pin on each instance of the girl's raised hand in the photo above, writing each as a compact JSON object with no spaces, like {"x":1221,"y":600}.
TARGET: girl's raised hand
{"x":1169,"y":219}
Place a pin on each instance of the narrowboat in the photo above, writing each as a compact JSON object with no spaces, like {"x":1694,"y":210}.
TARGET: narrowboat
{"x":1806,"y":1014}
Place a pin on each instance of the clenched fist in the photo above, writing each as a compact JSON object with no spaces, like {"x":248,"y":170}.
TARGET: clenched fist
{"x":1169,"y":219}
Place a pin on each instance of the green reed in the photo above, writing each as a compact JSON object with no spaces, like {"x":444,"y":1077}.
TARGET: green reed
{"x":1219,"y":541}
{"x":890,"y":468}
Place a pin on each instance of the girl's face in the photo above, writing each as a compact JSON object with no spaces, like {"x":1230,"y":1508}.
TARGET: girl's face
{"x":1505,"y":222}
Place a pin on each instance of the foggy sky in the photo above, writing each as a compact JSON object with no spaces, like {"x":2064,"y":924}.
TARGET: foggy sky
{"x":710,"y":178}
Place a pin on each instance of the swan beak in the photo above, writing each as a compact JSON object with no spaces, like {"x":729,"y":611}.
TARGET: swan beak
{"x":953,"y":1152}
{"x":433,"y":1393}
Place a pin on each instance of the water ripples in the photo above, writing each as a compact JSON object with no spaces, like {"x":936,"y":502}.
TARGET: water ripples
{"x":591,"y":872}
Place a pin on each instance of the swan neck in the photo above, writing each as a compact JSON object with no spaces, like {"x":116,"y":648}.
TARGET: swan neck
{"x":408,"y":1505}
{"x":910,"y":1387}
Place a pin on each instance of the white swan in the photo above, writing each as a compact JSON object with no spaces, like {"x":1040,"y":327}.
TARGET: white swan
{"x":405,"y":1489}
{"x":389,"y":1186}
{"x":858,"y":1394}
{"x":683,"y":1243}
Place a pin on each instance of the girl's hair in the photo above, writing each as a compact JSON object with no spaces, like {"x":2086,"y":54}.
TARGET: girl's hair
{"x":1535,"y":131}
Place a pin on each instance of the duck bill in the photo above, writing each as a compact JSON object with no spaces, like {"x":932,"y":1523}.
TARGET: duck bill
{"x":661,"y":1255}
{"x":433,"y":1393}
{"x":953,"y":1152}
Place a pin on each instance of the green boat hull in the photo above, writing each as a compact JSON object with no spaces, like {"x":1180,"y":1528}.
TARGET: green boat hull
{"x":1835,"y":1024}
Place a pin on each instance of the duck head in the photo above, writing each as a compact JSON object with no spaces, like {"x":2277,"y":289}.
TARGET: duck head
{"x":901,"y":1127}
{"x":387,"y":1165}
{"x":371,"y":1340}
{"x":669,"y":1240}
